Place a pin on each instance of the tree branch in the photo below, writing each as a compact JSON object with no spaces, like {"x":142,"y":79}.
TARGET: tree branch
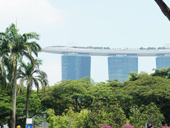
{"x":164,"y":8}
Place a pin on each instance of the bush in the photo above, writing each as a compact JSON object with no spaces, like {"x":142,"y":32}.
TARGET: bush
{"x":102,"y":115}
{"x":150,"y":114}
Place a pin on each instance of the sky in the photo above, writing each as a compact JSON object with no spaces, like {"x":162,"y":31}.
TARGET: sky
{"x":103,"y":23}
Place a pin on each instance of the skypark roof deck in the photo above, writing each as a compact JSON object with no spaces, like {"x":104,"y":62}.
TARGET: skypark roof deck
{"x":104,"y":51}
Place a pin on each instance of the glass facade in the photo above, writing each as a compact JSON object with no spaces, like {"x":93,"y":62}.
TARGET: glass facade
{"x":162,"y":61}
{"x":75,"y":66}
{"x":119,"y":66}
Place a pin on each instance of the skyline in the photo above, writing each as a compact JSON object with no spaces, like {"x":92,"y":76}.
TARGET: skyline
{"x":99,"y":66}
{"x":98,"y":23}
{"x":101,"y":51}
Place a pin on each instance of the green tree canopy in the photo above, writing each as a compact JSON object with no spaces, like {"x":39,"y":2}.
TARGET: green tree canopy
{"x":150,"y":89}
{"x":70,"y":93}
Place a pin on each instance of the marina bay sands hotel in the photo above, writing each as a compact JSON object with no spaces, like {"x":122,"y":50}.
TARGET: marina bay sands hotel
{"x":76,"y":61}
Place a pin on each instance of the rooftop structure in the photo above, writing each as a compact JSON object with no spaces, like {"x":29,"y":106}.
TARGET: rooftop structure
{"x":106,"y":51}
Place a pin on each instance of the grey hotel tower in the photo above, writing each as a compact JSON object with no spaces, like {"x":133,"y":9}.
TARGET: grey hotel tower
{"x":120,"y":65}
{"x":75,"y":66}
{"x":162,"y":61}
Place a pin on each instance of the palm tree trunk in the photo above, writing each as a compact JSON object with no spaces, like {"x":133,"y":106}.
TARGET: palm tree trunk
{"x":27,"y":103}
{"x":14,"y":97}
{"x":164,"y":8}
{"x":10,"y":119}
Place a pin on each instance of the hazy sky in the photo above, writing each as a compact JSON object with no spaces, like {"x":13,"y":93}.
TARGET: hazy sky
{"x":107,"y":23}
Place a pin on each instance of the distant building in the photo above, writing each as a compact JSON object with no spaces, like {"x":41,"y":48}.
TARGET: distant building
{"x":76,"y":61}
{"x":75,"y":66}
{"x":120,"y":65}
{"x":162,"y":61}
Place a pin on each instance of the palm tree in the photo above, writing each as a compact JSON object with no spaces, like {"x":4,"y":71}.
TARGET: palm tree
{"x":2,"y":72}
{"x":31,"y":75}
{"x":15,"y":46}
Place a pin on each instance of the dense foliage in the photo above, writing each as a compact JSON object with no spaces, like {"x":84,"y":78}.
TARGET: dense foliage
{"x":84,"y":103}
{"x":142,"y":98}
{"x":6,"y":107}
{"x":80,"y":103}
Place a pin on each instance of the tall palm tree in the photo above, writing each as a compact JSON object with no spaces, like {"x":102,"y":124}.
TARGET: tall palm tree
{"x":16,"y":46}
{"x":31,"y":75}
{"x":2,"y":72}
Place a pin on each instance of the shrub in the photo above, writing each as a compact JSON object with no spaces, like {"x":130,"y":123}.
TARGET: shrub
{"x":150,"y":114}
{"x":77,"y":119}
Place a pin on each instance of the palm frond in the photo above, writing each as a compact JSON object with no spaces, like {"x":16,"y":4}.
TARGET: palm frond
{"x":31,"y":35}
